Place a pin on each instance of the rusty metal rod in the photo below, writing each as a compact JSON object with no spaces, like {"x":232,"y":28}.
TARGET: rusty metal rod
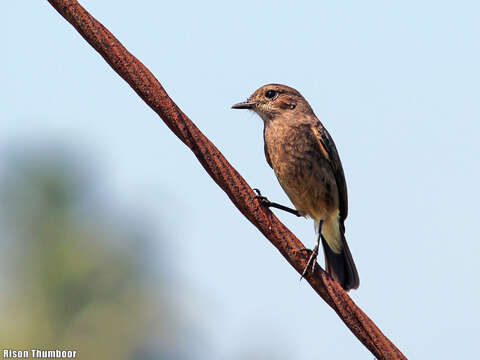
{"x":232,"y":183}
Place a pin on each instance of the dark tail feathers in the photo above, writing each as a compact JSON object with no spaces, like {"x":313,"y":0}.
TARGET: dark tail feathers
{"x":341,"y":266}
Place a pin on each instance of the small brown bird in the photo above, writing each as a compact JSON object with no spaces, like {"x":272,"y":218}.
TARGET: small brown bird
{"x":306,"y":163}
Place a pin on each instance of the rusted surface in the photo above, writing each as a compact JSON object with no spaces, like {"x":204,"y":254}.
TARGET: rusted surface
{"x":239,"y":192}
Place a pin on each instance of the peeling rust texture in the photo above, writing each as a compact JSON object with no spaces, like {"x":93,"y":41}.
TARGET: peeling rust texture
{"x":151,"y":91}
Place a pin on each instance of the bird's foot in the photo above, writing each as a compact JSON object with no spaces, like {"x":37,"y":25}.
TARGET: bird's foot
{"x":312,"y":261}
{"x":303,"y":249}
{"x":267,"y":203}
{"x":262,"y":199}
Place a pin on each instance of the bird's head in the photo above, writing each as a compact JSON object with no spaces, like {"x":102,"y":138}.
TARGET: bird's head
{"x":273,"y":100}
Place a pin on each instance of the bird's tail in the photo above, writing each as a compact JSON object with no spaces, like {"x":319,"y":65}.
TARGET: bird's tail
{"x":340,"y":264}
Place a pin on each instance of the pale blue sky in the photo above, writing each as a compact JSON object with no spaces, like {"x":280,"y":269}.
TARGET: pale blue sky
{"x":396,"y":84}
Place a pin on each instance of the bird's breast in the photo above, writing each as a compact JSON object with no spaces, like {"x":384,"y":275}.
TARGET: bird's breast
{"x":302,"y":169}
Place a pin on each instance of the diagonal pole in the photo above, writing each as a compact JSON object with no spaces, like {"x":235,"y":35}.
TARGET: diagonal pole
{"x":230,"y":181}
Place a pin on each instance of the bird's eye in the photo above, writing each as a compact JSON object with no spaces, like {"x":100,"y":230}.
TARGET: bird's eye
{"x":270,"y":94}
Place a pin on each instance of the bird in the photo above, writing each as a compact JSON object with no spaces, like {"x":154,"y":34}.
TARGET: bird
{"x":306,"y":163}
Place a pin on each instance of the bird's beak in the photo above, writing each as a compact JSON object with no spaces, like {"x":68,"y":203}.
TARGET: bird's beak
{"x":245,"y":105}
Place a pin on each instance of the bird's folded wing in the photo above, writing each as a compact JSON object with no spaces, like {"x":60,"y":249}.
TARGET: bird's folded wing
{"x":267,"y":155}
{"x":329,"y":151}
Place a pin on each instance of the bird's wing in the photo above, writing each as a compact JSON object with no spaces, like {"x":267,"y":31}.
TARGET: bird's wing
{"x":267,"y":155}
{"x":329,"y":151}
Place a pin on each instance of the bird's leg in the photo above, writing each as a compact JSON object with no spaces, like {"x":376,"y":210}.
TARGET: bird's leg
{"x":312,"y":261}
{"x":265,"y":202}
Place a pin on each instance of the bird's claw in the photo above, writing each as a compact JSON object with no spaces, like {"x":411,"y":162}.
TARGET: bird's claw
{"x":312,"y":261}
{"x":262,"y":199}
{"x":303,"y":249}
